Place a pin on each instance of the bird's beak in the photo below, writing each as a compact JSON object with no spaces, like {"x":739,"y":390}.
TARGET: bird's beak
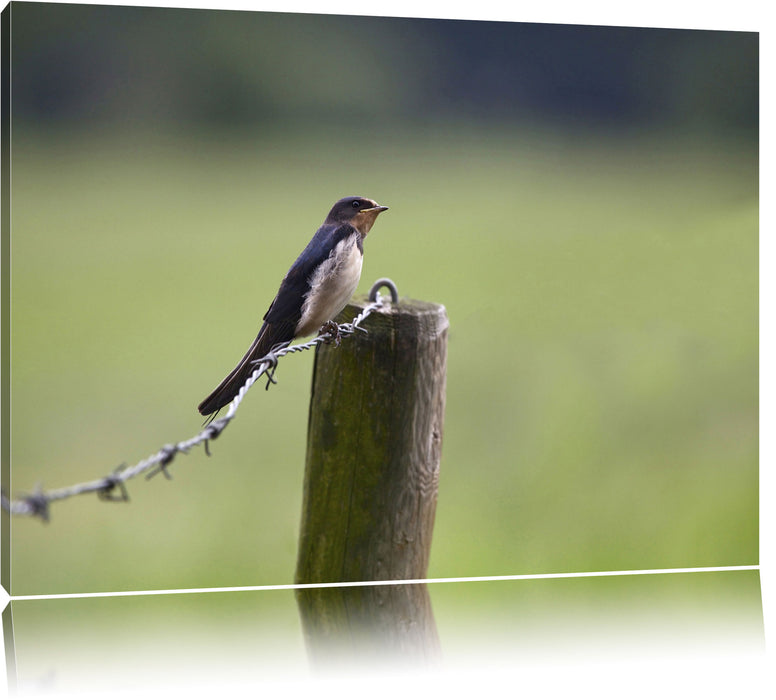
{"x":377,"y":209}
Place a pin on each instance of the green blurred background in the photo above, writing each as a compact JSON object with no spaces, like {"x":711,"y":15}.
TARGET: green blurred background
{"x":583,"y":200}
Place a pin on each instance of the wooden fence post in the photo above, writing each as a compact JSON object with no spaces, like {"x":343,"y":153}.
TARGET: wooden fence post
{"x":372,"y":471}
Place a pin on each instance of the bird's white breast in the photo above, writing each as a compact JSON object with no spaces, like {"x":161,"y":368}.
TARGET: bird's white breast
{"x":331,"y":285}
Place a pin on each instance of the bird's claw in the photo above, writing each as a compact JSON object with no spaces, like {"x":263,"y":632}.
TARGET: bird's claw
{"x":333,"y":330}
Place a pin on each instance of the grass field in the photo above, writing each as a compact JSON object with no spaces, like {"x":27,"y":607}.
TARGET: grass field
{"x":602,"y":406}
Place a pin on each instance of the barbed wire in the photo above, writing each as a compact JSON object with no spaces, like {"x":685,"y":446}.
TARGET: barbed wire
{"x":113,"y":487}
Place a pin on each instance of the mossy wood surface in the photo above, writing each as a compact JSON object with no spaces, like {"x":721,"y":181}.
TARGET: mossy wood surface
{"x":373,"y":452}
{"x":373,"y":448}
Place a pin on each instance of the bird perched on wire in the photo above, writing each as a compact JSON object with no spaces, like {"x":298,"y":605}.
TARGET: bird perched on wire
{"x":312,"y":293}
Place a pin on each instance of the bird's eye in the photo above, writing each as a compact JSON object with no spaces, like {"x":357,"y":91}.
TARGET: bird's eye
{"x":356,"y":204}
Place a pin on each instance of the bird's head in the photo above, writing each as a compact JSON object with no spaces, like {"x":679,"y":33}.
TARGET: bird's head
{"x":359,"y":212}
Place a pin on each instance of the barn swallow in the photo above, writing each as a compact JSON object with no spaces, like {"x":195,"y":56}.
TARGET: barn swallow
{"x":313,"y":292}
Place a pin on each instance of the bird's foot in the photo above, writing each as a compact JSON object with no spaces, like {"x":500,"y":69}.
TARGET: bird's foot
{"x":333,"y":330}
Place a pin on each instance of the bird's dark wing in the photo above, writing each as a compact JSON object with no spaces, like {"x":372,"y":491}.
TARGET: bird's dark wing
{"x":269,"y":336}
{"x":287,"y":306}
{"x":283,"y":315}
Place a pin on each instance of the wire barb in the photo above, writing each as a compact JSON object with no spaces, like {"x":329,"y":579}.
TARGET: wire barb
{"x":113,"y":482}
{"x":167,"y":453}
{"x":113,"y":487}
{"x":38,"y":504}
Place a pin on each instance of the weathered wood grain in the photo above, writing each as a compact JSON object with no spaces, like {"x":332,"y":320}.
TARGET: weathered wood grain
{"x":372,"y":473}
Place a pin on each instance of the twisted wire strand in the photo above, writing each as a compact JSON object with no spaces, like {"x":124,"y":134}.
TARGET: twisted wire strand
{"x":112,"y":487}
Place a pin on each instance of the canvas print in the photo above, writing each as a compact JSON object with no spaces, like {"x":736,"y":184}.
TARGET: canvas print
{"x":560,"y":374}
